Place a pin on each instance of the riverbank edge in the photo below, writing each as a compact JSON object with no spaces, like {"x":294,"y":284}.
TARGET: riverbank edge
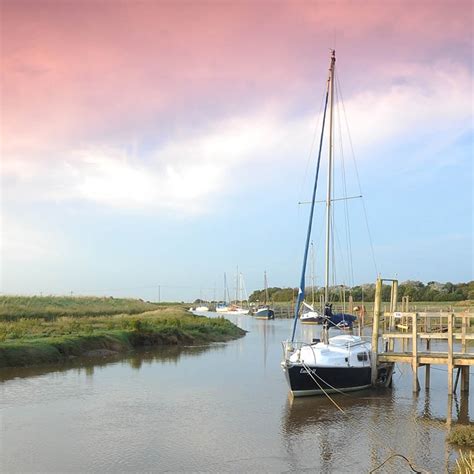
{"x":49,"y":350}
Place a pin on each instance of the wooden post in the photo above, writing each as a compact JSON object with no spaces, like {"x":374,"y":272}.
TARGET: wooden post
{"x":449,"y":411}
{"x":375,"y":327}
{"x":394,"y":295}
{"x":351,"y":304}
{"x":463,"y":332}
{"x":457,"y":380}
{"x":450,"y":353}
{"x":405,"y":300}
{"x":414,"y":360}
{"x":465,"y":379}
{"x":428,"y":367}
{"x":404,"y":324}
{"x":427,"y":376}
{"x":391,"y":342}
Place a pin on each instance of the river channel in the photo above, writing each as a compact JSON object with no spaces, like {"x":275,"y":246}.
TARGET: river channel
{"x":217,"y":408}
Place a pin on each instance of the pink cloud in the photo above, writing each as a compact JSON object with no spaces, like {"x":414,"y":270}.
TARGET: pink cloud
{"x":76,"y":73}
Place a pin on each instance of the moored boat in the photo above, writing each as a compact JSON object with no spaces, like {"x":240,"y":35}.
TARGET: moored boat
{"x":264,"y":311}
{"x":309,"y":315}
{"x":330,"y":364}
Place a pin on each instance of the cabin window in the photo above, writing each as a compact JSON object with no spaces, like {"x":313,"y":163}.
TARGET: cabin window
{"x":362,"y":356}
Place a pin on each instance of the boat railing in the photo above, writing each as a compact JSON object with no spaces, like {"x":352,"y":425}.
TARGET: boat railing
{"x":292,"y":347}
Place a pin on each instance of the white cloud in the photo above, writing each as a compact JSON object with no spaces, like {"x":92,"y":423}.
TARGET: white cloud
{"x":187,"y":173}
{"x":413,"y":102}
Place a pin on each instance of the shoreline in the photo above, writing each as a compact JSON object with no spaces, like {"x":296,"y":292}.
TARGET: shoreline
{"x":46,"y":342}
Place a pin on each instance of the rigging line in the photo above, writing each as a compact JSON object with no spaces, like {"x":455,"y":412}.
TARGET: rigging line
{"x":358,"y":178}
{"x":310,"y":223}
{"x":339,"y":248}
{"x":312,"y":144}
{"x":333,"y":245}
{"x":333,"y":225}
{"x":346,"y":206}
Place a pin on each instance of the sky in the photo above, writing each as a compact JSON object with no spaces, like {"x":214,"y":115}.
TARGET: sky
{"x":147,"y":147}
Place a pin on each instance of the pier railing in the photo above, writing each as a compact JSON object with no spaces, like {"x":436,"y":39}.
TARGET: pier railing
{"x":424,"y":339}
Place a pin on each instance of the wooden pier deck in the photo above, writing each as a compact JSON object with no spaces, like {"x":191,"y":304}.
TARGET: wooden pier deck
{"x":424,"y":358}
{"x":399,"y":337}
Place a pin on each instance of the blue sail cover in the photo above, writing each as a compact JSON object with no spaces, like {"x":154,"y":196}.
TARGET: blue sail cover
{"x":342,"y":319}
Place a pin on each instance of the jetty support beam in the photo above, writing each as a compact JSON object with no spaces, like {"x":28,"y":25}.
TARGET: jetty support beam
{"x":414,"y":362}
{"x":450,"y":353}
{"x":465,"y":379}
{"x":375,"y":328}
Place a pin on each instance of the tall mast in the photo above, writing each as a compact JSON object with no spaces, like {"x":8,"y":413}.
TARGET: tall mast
{"x":266,"y":286}
{"x":237,"y":286}
{"x":225,"y":287}
{"x":329,"y":184}
{"x":312,"y":274}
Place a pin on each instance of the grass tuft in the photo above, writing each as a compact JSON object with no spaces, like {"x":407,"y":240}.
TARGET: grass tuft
{"x":462,"y":435}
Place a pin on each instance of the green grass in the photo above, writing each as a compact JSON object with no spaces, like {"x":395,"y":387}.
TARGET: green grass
{"x":13,"y":308}
{"x":35,"y":340}
{"x":462,"y":435}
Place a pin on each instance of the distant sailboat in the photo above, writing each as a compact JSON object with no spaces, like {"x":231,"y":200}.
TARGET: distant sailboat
{"x":237,"y":307}
{"x":202,"y":307}
{"x":222,"y":306}
{"x":265,"y":312}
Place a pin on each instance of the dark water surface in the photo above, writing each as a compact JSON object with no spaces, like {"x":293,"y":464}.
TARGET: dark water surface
{"x":219,"y":408}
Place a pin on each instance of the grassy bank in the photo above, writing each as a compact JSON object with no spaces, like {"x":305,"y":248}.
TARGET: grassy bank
{"x":36,"y":340}
{"x":13,"y":308}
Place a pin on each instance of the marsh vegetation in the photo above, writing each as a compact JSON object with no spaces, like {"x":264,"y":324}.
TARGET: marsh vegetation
{"x":54,"y":329}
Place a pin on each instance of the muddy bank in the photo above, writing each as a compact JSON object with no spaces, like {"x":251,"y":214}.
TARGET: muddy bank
{"x":48,"y":350}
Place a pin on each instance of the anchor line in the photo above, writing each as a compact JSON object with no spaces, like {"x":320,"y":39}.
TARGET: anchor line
{"x":322,"y":389}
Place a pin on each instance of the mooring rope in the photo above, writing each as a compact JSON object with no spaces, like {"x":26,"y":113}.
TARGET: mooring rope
{"x":322,"y":389}
{"x":412,"y":467}
{"x":329,"y":385}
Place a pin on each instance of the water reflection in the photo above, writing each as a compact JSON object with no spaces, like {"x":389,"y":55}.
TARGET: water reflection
{"x":136,"y":412}
{"x":267,"y":333}
{"x":135,"y":359}
{"x":379,"y":422}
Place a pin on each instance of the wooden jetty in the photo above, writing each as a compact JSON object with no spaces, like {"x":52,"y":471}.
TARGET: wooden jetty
{"x":409,"y":337}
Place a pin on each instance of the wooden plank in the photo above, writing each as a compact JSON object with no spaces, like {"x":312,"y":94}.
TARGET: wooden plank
{"x":375,"y":328}
{"x":440,"y":359}
{"x":414,"y":360}
{"x":396,"y":335}
{"x":463,"y":333}
{"x":450,"y":353}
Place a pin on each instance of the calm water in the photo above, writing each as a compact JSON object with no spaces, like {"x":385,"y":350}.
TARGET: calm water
{"x":218,"y":408}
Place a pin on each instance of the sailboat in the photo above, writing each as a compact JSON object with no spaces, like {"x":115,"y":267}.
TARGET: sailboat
{"x":331,"y":364}
{"x":309,"y":315}
{"x":265,"y":312}
{"x":237,"y":307}
{"x":222,"y":306}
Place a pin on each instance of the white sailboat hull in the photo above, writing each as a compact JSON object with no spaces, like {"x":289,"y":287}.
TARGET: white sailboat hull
{"x":342,"y":365}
